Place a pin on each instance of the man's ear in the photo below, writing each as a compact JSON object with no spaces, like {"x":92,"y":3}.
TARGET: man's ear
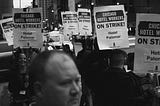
{"x":37,"y":86}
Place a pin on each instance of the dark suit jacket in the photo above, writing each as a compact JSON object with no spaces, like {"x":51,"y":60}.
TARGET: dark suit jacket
{"x":116,"y":88}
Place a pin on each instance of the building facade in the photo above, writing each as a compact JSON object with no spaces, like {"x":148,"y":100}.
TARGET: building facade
{"x":133,"y":6}
{"x":53,"y":8}
{"x":49,"y":12}
{"x":52,"y":11}
{"x":5,"y":7}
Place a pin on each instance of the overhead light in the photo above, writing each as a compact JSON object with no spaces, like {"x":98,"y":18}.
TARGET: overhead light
{"x":52,"y":11}
{"x":79,"y":5}
{"x":126,"y":12}
{"x":92,"y":3}
{"x":56,"y":29}
{"x":59,"y":25}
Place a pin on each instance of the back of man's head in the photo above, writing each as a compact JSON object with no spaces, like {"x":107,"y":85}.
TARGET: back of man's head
{"x":117,"y":58}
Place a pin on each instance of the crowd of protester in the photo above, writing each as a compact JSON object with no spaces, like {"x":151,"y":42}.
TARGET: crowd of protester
{"x":105,"y":81}
{"x":109,"y":82}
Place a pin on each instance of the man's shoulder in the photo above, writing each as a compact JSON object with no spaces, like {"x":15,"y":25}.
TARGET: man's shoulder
{"x":116,"y":71}
{"x":120,"y":76}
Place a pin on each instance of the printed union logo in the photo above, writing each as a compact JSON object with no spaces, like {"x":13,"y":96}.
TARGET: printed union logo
{"x":149,"y":28}
{"x":109,"y":16}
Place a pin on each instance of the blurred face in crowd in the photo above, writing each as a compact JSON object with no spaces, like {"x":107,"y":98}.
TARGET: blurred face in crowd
{"x":22,"y":59}
{"x":63,"y":83}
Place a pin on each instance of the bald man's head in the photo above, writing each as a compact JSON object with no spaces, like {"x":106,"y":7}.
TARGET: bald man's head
{"x":59,"y":64}
{"x":37,"y":69}
{"x":55,"y":79}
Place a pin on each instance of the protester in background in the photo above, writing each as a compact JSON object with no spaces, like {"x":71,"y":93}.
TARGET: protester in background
{"x":18,"y":82}
{"x":92,"y":64}
{"x":82,"y":56}
{"x":67,"y":50}
{"x":55,"y":80}
{"x":83,"y":53}
{"x":85,"y":61}
{"x":49,"y":39}
{"x":87,"y":96}
{"x":117,"y":59}
{"x":119,"y":87}
{"x":95,"y":44}
{"x":130,"y":64}
{"x":130,"y":61}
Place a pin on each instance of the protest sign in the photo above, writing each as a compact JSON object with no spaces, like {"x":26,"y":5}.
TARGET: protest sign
{"x":84,"y":22}
{"x":7,"y":28}
{"x":147,"y":43}
{"x":111,"y":27}
{"x":27,"y":27}
{"x":70,"y":23}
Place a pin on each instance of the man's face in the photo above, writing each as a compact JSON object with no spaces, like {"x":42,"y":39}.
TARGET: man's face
{"x":22,"y":59}
{"x":63,"y":85}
